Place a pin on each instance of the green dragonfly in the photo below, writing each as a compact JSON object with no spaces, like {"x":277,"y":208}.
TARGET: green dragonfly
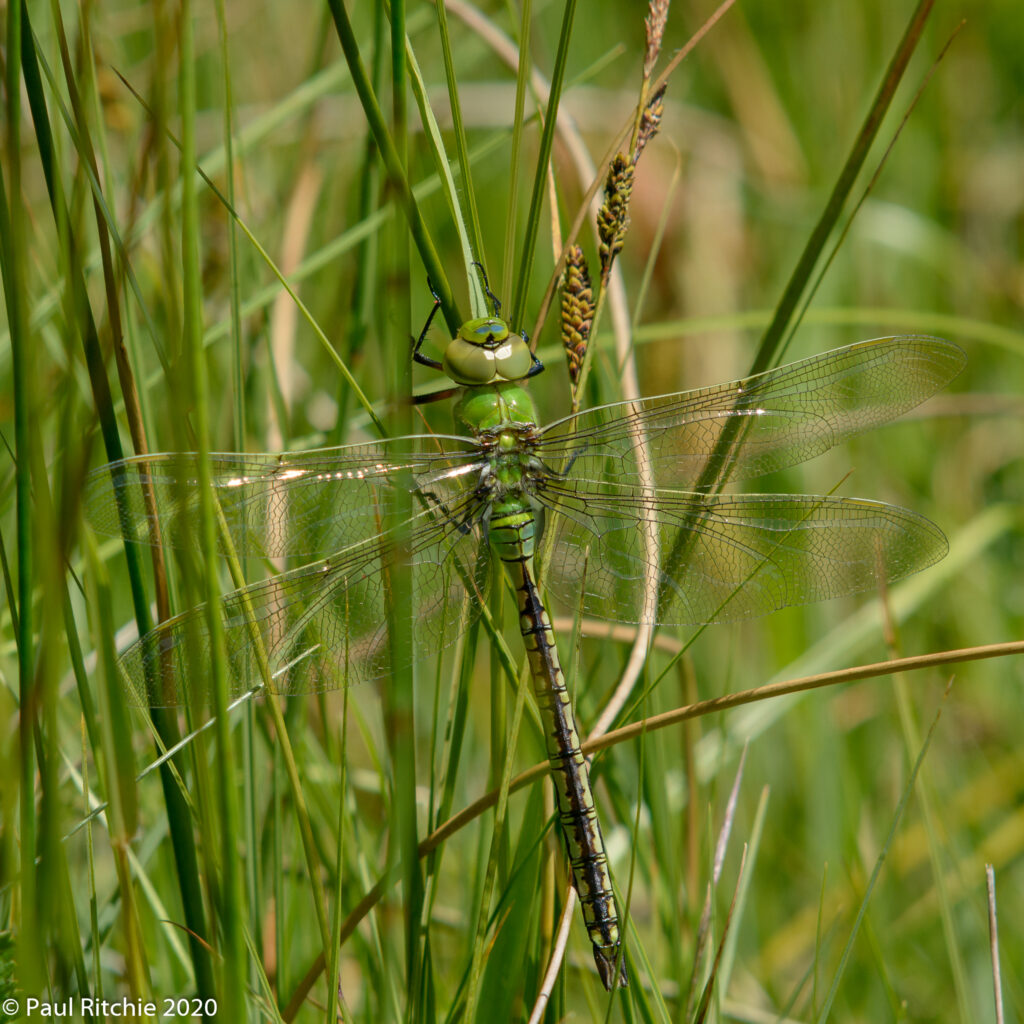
{"x":618,"y":510}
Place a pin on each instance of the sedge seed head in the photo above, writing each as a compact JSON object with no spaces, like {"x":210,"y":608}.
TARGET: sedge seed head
{"x":577,"y":311}
{"x":654,"y":26}
{"x":613,"y":217}
{"x":650,"y":121}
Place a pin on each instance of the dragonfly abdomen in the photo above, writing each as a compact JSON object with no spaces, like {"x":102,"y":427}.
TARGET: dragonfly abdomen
{"x":512,"y":533}
{"x":513,"y":528}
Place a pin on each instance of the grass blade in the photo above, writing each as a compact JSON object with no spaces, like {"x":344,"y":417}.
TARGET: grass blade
{"x":393,"y":163}
{"x":769,"y":348}
{"x":517,"y":308}
{"x":908,"y":790}
{"x":232,"y":993}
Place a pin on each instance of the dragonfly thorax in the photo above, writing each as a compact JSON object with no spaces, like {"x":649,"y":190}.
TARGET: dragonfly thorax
{"x":511,"y":470}
{"x":489,"y":410}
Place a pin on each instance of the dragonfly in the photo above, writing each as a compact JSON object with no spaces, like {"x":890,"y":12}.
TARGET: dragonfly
{"x":619,"y":510}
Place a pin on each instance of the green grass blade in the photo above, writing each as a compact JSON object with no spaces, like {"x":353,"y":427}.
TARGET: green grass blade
{"x":400,"y":694}
{"x":472,"y":240}
{"x":517,"y":312}
{"x":470,"y":251}
{"x":876,"y":871}
{"x":118,"y":760}
{"x":178,"y":814}
{"x":364,"y":285}
{"x":772,"y":339}
{"x":31,"y":943}
{"x":516,"y":148}
{"x":393,"y":163}
{"x":946,"y":903}
{"x":232,"y":995}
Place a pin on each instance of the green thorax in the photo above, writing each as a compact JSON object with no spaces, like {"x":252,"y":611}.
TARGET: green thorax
{"x":487,"y":408}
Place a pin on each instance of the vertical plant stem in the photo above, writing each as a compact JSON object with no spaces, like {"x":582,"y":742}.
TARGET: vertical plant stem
{"x":13,"y":230}
{"x":179,"y":820}
{"x":400,"y":694}
{"x":801,"y":276}
{"x":393,"y":163}
{"x":515,"y":150}
{"x":253,"y":875}
{"x":116,"y":755}
{"x":334,"y":950}
{"x":517,"y":308}
{"x":232,"y":992}
{"x":461,"y":148}
{"x":365,"y":255}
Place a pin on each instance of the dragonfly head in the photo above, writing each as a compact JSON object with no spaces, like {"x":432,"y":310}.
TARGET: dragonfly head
{"x":485,"y":351}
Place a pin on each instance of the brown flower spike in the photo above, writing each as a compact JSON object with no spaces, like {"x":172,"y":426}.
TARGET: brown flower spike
{"x":577,"y":311}
{"x":613,"y":217}
{"x":654,"y":25}
{"x":650,"y":121}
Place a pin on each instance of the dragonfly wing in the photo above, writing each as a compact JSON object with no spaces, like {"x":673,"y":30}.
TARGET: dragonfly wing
{"x":673,"y":557}
{"x":325,"y":625}
{"x":695,"y":439}
{"x":272,"y":506}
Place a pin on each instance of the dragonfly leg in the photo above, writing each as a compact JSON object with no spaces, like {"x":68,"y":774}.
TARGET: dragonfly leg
{"x":495,"y":304}
{"x":433,"y":396}
{"x":417,"y":355}
{"x":463,"y":522}
{"x":536,"y":366}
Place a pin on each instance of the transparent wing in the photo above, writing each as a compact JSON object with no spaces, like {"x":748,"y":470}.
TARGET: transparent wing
{"x":303,"y":503}
{"x":721,"y":557}
{"x":324,"y":625}
{"x":774,"y":419}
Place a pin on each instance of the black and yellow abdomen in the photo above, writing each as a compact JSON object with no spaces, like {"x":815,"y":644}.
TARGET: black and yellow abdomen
{"x":513,"y":535}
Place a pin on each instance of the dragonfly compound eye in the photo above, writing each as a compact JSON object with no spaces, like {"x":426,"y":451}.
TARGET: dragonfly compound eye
{"x":484,"y":352}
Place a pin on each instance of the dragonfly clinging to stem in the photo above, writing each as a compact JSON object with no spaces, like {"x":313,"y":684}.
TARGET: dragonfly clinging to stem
{"x":633,"y":533}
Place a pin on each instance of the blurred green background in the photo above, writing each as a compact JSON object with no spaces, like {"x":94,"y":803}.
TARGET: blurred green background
{"x":758,"y":122}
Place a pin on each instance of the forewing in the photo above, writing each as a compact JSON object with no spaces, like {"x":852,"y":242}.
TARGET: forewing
{"x":673,"y":557}
{"x":750,"y":427}
{"x":272,"y":506}
{"x":324,"y":625}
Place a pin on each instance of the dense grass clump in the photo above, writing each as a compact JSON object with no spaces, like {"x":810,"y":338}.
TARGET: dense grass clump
{"x":217,"y":230}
